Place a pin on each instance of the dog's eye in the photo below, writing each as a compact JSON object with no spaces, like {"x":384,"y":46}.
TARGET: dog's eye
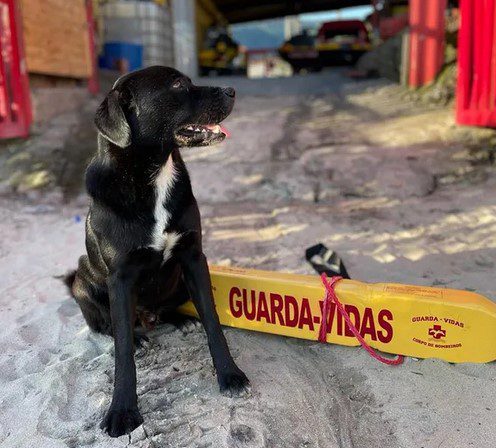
{"x":178,"y":84}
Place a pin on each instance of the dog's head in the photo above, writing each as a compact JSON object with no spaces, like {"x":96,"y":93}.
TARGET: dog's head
{"x":159,"y":106}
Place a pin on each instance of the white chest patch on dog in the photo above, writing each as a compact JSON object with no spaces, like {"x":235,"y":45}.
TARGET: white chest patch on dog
{"x":164,"y":183}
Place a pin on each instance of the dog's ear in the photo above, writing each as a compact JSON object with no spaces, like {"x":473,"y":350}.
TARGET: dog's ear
{"x":111,"y":121}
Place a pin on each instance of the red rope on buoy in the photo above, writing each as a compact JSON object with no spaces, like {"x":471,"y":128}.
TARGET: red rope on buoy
{"x":332,"y":297}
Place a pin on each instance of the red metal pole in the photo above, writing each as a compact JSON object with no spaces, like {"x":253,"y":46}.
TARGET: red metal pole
{"x":476,"y":88}
{"x":427,"y":40}
{"x":15,"y":107}
{"x":465,"y":57}
{"x":22,"y":67}
{"x":93,"y":84}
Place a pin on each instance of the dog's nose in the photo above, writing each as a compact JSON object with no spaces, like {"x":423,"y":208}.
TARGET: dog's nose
{"x":229,"y":91}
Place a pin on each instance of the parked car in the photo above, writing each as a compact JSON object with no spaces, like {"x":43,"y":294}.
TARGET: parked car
{"x":300,"y":52}
{"x":342,"y":42}
{"x":221,"y":54}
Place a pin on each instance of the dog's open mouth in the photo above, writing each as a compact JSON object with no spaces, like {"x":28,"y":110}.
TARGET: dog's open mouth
{"x":200,"y":134}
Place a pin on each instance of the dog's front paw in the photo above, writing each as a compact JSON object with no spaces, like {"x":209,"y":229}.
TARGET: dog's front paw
{"x":118,"y":422}
{"x":234,"y":382}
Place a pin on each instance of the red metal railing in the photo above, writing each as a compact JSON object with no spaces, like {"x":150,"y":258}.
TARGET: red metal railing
{"x":93,"y":84}
{"x":15,"y":104}
{"x":476,"y":89}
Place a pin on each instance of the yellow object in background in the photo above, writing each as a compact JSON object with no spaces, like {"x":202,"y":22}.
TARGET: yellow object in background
{"x":423,"y":322}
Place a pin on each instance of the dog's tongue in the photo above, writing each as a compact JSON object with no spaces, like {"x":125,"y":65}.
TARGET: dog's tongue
{"x":218,"y":128}
{"x":225,"y":131}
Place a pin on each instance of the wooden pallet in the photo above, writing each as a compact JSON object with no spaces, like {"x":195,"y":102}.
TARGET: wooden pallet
{"x":56,"y":37}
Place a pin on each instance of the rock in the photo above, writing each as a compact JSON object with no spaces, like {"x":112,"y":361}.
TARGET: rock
{"x":384,"y":60}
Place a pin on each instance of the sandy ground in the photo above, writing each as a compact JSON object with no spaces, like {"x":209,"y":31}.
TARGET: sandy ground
{"x":400,"y":192}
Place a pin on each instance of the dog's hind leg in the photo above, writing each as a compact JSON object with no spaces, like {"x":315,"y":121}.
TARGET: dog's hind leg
{"x":96,"y":315}
{"x":168,"y":314}
{"x":92,"y":300}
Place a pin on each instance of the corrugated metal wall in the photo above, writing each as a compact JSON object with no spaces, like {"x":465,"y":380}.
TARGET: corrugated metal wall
{"x":144,"y":23}
{"x":184,"y":17}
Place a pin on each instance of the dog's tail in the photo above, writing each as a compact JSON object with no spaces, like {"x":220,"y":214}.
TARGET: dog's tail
{"x":69,"y":279}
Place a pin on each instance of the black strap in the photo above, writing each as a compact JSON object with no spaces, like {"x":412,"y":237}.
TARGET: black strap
{"x":324,"y":260}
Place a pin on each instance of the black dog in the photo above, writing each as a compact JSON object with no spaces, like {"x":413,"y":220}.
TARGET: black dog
{"x":143,"y":231}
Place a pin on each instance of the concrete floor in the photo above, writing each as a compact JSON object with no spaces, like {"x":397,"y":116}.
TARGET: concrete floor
{"x":396,"y":188}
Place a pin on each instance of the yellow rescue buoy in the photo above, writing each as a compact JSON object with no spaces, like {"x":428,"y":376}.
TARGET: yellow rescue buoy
{"x":418,"y":321}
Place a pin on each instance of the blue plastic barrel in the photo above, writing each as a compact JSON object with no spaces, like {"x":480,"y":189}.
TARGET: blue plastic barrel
{"x":119,"y":55}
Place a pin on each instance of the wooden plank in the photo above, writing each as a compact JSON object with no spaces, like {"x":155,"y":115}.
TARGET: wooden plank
{"x":56,"y":37}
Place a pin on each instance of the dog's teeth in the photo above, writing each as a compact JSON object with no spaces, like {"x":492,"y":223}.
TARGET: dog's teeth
{"x":189,"y":128}
{"x":204,"y":130}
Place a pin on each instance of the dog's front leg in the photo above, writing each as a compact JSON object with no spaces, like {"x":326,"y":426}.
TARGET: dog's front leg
{"x":123,"y":415}
{"x":230,"y":377}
